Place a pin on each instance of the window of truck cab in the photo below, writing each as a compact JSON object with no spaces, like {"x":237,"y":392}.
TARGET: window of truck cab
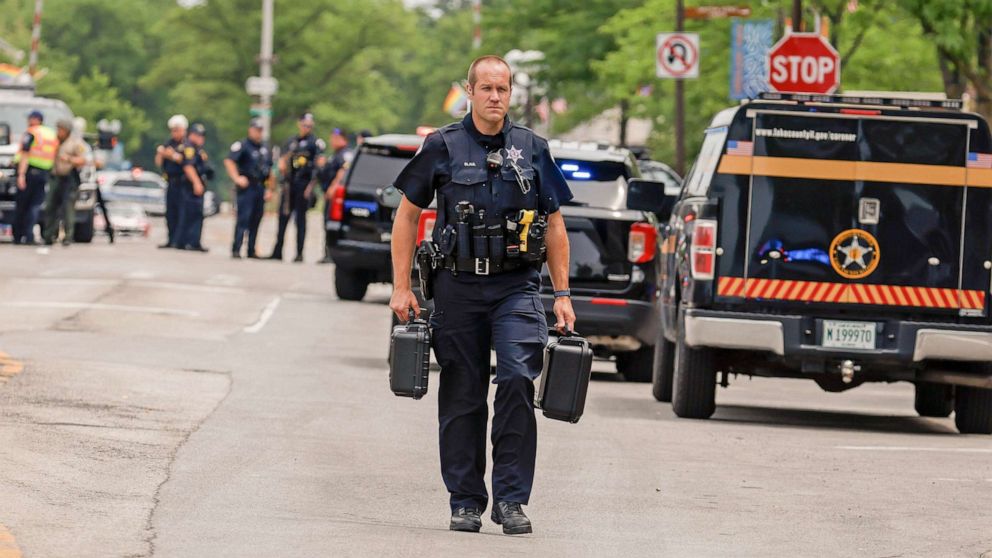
{"x":705,"y":166}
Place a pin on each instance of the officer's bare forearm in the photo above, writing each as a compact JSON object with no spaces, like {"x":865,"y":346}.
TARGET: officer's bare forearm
{"x":403,"y":242}
{"x":194,"y":178}
{"x":557,"y":239}
{"x":22,"y":166}
{"x":232,"y":170}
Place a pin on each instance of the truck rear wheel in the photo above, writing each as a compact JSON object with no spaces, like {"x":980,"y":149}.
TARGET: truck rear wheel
{"x":973,"y":410}
{"x":664,"y":362}
{"x":350,"y":284}
{"x":694,"y":382}
{"x":636,"y":365}
{"x":934,"y":400}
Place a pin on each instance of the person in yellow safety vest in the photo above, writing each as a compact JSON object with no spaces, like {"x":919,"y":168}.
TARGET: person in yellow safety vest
{"x":40,"y":144}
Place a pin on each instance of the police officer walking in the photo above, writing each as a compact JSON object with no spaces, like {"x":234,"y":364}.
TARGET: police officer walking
{"x":60,"y":203}
{"x":248,"y":165}
{"x":169,"y":158}
{"x":35,"y":160}
{"x":498,"y":193}
{"x":303,"y":155}
{"x":196,"y":171}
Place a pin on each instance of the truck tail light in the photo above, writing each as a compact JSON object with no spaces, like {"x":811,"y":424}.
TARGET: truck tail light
{"x":702,"y":251}
{"x":336,"y":209}
{"x":425,"y":228}
{"x":642,"y":243}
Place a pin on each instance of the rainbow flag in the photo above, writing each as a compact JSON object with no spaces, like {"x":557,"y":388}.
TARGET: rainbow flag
{"x":8,"y":72}
{"x":456,"y":102}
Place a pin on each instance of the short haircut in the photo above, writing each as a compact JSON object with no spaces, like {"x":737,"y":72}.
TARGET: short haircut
{"x":487,"y":58}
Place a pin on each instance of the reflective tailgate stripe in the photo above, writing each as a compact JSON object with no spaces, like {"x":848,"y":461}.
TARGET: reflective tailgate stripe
{"x":851,"y":293}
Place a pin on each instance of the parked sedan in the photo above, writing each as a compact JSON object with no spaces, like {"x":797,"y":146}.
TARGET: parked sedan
{"x":146,"y":189}
{"x":127,"y":218}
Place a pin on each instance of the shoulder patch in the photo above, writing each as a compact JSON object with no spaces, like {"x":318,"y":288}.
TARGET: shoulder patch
{"x":321,"y":144}
{"x":348,"y":156}
{"x":236,"y":146}
{"x":189,"y":152}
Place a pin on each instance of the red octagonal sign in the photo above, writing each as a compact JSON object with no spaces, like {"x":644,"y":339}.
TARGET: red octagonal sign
{"x":803,"y":63}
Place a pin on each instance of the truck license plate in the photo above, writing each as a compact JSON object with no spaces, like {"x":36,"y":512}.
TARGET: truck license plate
{"x":848,"y":335}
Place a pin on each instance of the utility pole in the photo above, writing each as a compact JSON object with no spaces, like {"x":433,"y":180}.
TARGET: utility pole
{"x":477,"y":20}
{"x":35,"y":38}
{"x":265,"y":68}
{"x":680,"y":100}
{"x":797,"y":16}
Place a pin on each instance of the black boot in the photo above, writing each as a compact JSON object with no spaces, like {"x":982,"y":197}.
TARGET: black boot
{"x":512,"y":518}
{"x":466,"y":519}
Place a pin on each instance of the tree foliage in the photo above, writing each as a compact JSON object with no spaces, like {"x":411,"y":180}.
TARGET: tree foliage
{"x":375,"y":64}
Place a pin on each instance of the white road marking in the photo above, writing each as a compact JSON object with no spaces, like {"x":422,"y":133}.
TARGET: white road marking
{"x":188,"y":287}
{"x":140,"y":274}
{"x":98,"y":306}
{"x":267,"y":312}
{"x":912,"y":448}
{"x":44,"y":251}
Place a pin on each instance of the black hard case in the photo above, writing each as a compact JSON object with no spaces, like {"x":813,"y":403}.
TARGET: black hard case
{"x":410,"y":359}
{"x":565,"y":380}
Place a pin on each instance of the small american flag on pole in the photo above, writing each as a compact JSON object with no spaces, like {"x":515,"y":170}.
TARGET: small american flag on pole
{"x":745,"y":148}
{"x":980,"y":160}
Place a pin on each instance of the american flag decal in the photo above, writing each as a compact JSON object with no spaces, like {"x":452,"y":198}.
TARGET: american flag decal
{"x":980,"y":160}
{"x":746,"y":148}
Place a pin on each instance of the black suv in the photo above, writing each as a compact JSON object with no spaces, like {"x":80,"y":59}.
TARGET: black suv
{"x":837,"y":239}
{"x":360,"y":221}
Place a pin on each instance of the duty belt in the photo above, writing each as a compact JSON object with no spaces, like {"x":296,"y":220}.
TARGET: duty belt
{"x":483,"y":266}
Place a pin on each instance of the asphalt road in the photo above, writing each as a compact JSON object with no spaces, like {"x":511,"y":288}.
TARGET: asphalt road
{"x":161,"y":403}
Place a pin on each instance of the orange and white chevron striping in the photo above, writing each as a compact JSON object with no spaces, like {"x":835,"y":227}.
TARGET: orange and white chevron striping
{"x":850,"y":293}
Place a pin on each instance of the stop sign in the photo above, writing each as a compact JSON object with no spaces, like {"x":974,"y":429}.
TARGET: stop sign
{"x":803,"y":63}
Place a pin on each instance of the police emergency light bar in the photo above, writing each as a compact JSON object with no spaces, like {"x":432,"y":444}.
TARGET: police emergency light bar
{"x":946,"y":104}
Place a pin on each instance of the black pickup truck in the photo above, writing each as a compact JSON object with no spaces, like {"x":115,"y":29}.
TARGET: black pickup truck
{"x":837,"y":239}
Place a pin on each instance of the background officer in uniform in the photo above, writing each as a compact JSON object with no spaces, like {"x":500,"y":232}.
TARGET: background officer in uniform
{"x":500,"y":168}
{"x":301,"y":158}
{"x":196,"y":170}
{"x":331,"y":176}
{"x":249,"y":164}
{"x":35,"y":160}
{"x":60,"y":203}
{"x":169,"y":158}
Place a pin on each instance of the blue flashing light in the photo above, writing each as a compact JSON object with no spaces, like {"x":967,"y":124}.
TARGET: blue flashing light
{"x":581,"y":174}
{"x":569,"y":167}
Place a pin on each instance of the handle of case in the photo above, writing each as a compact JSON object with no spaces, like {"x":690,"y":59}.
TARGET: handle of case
{"x":568,"y":332}
{"x":411,"y":315}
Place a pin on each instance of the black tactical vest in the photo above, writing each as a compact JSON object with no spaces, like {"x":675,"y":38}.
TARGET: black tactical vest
{"x":497,"y":191}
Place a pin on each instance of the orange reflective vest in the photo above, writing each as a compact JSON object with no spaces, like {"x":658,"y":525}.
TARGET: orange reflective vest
{"x":43,"y":148}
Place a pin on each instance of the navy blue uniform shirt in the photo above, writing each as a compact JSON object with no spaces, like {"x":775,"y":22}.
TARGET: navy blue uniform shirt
{"x":303,"y":153}
{"x":171,"y":168}
{"x":254,"y":160}
{"x":341,"y":159}
{"x":430,"y":168}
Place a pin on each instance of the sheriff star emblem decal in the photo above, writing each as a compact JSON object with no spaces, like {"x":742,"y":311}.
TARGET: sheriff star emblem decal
{"x":854,"y":254}
{"x":514,"y":154}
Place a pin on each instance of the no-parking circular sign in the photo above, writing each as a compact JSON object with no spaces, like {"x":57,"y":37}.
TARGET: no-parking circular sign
{"x":677,"y":55}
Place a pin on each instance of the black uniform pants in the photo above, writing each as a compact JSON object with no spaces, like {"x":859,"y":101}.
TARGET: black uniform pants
{"x":294,"y":206}
{"x":173,"y":207}
{"x":250,"y":204}
{"x":471,"y":314}
{"x":190,"y":225}
{"x":27,"y":205}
